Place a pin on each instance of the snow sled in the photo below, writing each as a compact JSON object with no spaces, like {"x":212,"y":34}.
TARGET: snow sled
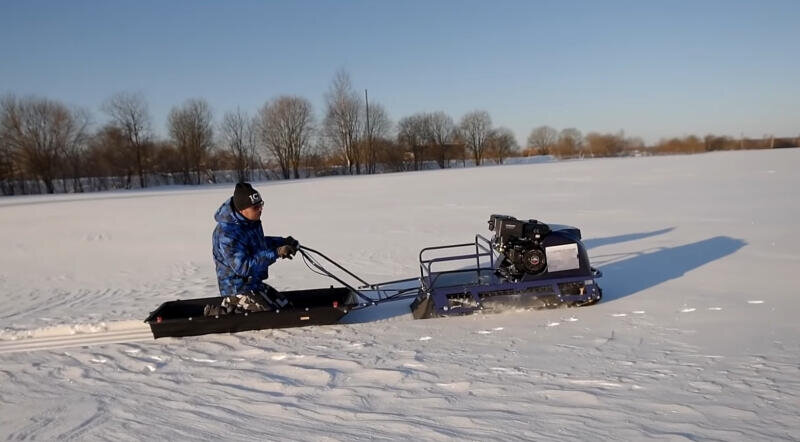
{"x":526,"y":264}
{"x":309,"y":307}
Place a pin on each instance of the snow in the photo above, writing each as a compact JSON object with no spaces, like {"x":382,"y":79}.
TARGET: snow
{"x":697,"y":336}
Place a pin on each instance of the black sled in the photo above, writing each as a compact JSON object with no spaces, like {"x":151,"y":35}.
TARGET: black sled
{"x":309,"y":307}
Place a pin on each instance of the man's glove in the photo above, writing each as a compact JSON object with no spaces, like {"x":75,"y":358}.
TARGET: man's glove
{"x":289,"y":241}
{"x":286,"y":251}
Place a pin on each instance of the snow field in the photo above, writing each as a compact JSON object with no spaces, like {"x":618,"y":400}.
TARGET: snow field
{"x":696,"y":337}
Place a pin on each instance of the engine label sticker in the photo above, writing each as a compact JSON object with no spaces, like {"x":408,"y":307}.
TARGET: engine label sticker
{"x":564,"y":257}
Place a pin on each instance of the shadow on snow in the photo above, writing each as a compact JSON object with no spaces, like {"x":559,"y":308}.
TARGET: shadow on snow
{"x":597,"y":242}
{"x":648,"y":269}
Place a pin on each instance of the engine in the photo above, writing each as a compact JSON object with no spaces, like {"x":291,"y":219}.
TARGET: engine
{"x":520,"y":244}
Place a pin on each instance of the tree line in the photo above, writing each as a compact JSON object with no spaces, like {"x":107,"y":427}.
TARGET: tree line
{"x":570,"y":143}
{"x":46,"y":146}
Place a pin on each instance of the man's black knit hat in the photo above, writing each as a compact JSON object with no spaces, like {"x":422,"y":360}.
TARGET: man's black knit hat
{"x":245,"y":196}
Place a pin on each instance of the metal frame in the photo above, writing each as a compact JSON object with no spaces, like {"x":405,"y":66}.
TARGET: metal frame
{"x":384,"y":294}
{"x":426,"y":265}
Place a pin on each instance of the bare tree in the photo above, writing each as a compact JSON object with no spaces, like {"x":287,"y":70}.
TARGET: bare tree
{"x":128,"y":111}
{"x":713,"y":142}
{"x":74,"y":151}
{"x":460,"y":146}
{"x":570,"y":143}
{"x":7,"y":166}
{"x":442,"y":133}
{"x":167,"y":159}
{"x":475,"y":128}
{"x":688,"y":144}
{"x":343,"y":120}
{"x":238,"y":137}
{"x":107,"y":158}
{"x":502,"y":143}
{"x":604,"y":145}
{"x":40,"y":131}
{"x":391,"y":155}
{"x":542,"y":139}
{"x":414,"y":133}
{"x":378,"y":126}
{"x":191,"y":130}
{"x":285,"y":128}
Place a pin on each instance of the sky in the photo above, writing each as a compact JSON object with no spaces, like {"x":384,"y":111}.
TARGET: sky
{"x":651,"y":69}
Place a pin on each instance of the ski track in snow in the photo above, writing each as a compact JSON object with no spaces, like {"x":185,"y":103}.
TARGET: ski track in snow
{"x":79,"y":335}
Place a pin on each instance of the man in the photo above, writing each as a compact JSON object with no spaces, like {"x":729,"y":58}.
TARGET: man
{"x":242,"y":254}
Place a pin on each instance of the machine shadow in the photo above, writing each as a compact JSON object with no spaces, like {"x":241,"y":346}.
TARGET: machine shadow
{"x":645,"y":270}
{"x":597,"y":242}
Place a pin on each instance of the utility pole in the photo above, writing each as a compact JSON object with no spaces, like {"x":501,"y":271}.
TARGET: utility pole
{"x":370,"y":156}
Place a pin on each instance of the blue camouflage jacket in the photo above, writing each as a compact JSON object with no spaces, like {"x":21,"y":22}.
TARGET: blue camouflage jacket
{"x":242,"y":254}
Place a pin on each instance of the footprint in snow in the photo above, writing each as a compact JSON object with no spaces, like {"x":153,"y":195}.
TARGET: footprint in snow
{"x":688,"y":310}
{"x":755,"y":302}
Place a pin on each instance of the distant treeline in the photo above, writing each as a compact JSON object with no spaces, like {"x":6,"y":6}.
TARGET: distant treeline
{"x":568,"y":143}
{"x":46,"y":146}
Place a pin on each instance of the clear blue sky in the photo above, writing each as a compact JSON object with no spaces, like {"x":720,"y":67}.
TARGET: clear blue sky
{"x":654,"y":69}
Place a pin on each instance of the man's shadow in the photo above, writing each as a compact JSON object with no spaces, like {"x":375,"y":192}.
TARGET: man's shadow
{"x":621,"y":278}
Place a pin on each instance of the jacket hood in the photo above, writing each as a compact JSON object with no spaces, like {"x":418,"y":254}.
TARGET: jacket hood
{"x":227,"y":215}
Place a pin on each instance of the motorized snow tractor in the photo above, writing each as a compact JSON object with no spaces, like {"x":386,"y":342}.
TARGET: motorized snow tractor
{"x":526,"y":264}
